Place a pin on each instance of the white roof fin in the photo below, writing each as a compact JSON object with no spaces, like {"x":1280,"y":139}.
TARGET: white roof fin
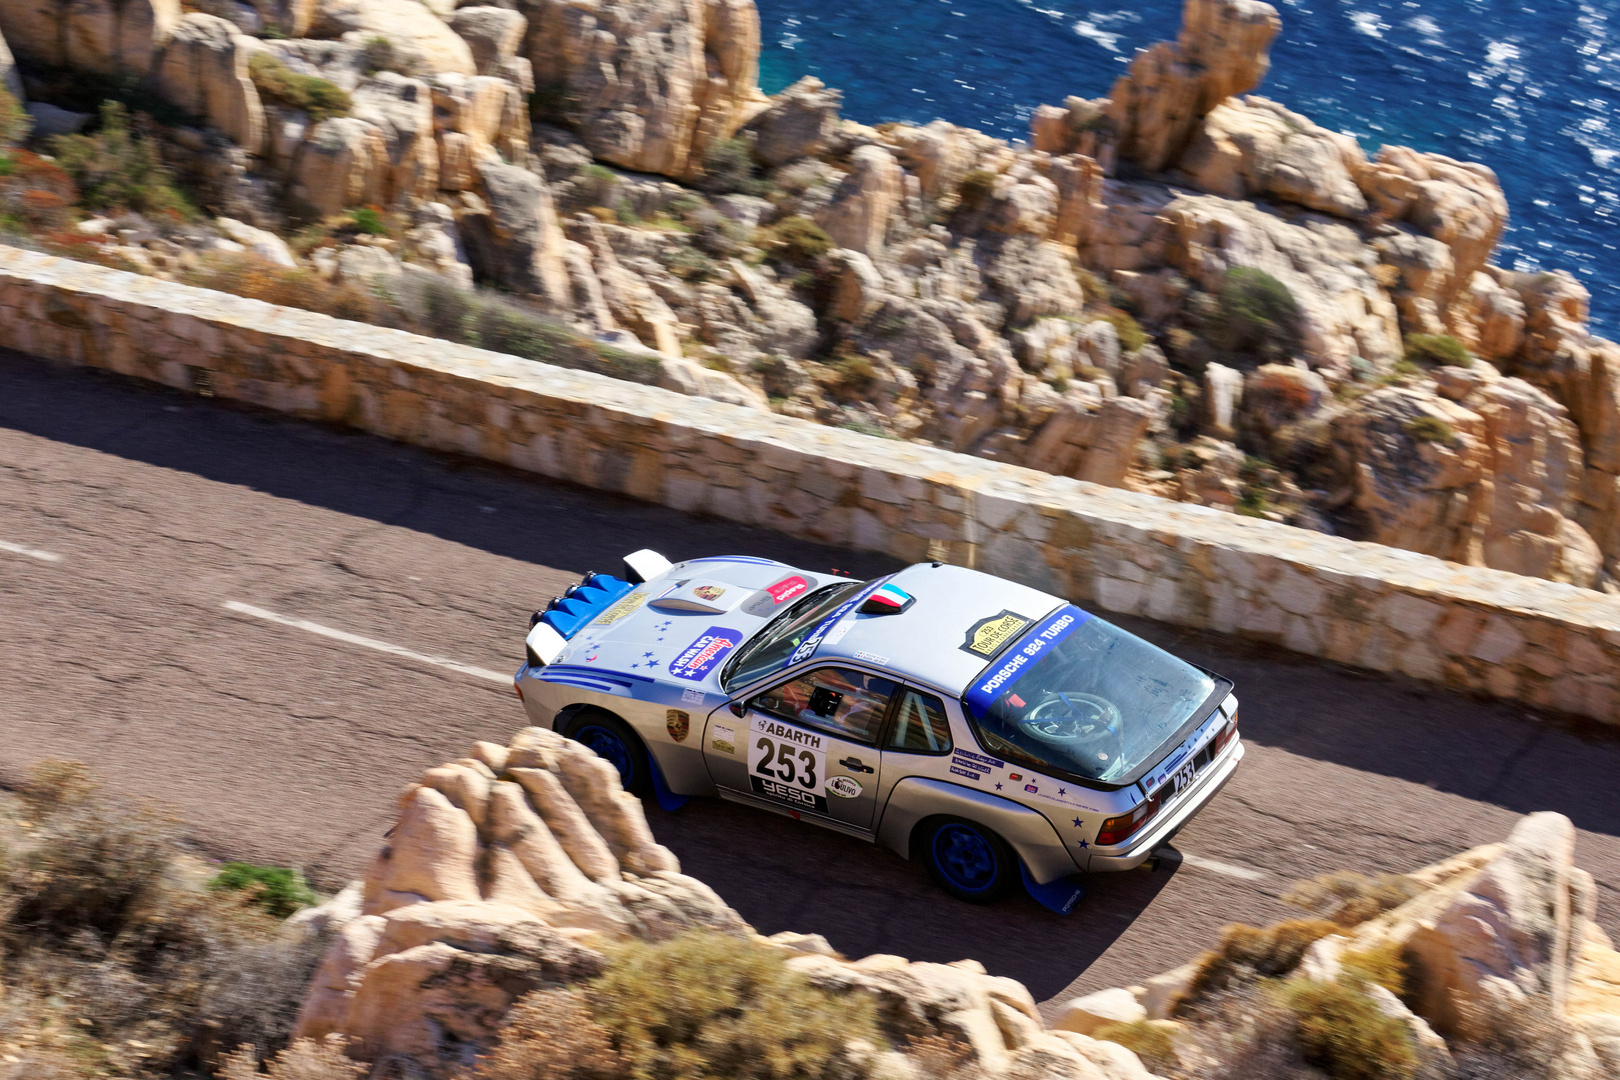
{"x":644,"y":565}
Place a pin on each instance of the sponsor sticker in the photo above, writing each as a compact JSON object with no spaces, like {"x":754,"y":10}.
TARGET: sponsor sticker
{"x":967,"y":764}
{"x":845,"y":787}
{"x":1021,"y":656}
{"x":723,"y":738}
{"x":963,"y":772}
{"x":990,"y":761}
{"x":691,"y":696}
{"x":789,"y":588}
{"x":696,"y":660}
{"x":787,"y":764}
{"x":627,"y":606}
{"x":872,"y":658}
{"x":710,"y":593}
{"x":988,"y":636}
{"x":678,"y":724}
{"x":1031,"y":788}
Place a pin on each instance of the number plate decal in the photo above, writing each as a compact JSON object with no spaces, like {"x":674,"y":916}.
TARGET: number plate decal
{"x":787,"y":765}
{"x":1184,"y":776}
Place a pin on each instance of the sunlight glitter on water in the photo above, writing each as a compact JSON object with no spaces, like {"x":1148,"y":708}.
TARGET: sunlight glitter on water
{"x":1535,"y":95}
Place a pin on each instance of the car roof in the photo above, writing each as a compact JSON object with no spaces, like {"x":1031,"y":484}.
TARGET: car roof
{"x":927,"y":641}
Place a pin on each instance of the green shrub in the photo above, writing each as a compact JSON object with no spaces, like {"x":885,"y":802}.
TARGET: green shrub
{"x":379,"y":54}
{"x":728,"y":167}
{"x":1431,"y":429}
{"x":322,"y":100}
{"x":1342,"y":1031}
{"x":369,"y":220}
{"x":1349,"y":898}
{"x":14,"y":121}
{"x":1436,"y":350}
{"x":1131,"y":334}
{"x":276,"y":889}
{"x":798,"y":240}
{"x":117,"y":168}
{"x":708,"y":1005}
{"x":975,"y":189}
{"x":1257,"y":316}
{"x":1146,"y":1039}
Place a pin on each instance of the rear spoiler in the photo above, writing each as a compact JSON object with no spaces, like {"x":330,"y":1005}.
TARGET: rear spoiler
{"x":550,"y":629}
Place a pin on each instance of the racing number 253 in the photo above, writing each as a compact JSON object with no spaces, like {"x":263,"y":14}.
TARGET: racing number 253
{"x":786,"y":763}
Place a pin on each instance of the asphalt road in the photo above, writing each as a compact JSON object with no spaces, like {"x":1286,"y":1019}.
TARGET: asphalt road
{"x":130,"y":516}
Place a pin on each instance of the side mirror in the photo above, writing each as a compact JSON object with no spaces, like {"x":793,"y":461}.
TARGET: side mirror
{"x":825,"y":702}
{"x":737,"y":708}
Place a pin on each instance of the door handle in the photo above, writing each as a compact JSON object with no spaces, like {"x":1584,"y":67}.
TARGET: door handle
{"x":855,"y":765}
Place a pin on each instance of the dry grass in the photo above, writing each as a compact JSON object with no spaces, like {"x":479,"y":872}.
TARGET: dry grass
{"x":258,"y":279}
{"x":1247,"y":954}
{"x":118,"y":959}
{"x":303,"y":1060}
{"x":701,"y":1006}
{"x":1147,"y":1039}
{"x":1350,"y":899}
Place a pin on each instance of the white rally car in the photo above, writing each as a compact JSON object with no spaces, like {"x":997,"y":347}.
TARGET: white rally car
{"x":996,"y":732}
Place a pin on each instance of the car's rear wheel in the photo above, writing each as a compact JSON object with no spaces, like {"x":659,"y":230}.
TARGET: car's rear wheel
{"x":613,"y":741}
{"x":969,"y":861}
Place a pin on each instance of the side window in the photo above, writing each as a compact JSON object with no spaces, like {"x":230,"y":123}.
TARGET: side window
{"x":920,"y":725}
{"x":848,"y":704}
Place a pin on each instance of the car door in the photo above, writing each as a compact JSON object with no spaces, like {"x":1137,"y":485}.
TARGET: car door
{"x":808,"y":744}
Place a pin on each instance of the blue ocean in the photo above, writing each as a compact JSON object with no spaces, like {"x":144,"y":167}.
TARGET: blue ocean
{"x":1531,"y":89}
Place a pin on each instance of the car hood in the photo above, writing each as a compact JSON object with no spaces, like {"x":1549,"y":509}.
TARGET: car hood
{"x":680,"y":628}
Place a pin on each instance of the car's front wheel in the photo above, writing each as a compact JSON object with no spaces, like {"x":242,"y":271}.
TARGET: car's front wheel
{"x":968,"y":860}
{"x":613,"y":741}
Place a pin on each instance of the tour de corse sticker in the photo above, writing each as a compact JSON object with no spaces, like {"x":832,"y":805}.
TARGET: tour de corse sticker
{"x":724,"y":739}
{"x":987,"y":636}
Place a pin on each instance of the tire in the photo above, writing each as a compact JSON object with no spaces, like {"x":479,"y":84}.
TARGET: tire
{"x":969,"y":861}
{"x":613,"y":741}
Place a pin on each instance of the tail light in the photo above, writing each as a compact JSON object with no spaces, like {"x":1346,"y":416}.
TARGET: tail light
{"x":1116,"y":830}
{"x":1228,"y":733}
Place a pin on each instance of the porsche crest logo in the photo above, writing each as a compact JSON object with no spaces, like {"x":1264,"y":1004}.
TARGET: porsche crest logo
{"x":988,"y":636}
{"x":679,"y":724}
{"x":710,"y":593}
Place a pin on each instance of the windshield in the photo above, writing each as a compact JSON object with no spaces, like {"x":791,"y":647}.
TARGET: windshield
{"x":770,"y":648}
{"x":1084,"y":697}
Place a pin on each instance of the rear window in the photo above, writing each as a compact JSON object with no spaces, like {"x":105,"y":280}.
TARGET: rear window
{"x":1081,"y":696}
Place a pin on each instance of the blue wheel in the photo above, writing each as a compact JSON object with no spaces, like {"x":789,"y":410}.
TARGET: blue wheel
{"x":613,"y":741}
{"x":969,"y":861}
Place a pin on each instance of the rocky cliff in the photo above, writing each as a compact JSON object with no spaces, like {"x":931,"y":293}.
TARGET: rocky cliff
{"x":1183,"y":288}
{"x":510,"y":870}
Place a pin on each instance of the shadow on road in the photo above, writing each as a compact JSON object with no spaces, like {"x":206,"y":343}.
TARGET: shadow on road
{"x":787,"y":875}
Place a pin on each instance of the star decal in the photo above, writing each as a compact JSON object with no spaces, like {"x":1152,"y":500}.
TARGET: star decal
{"x":634,"y":666}
{"x":648,"y":655}
{"x":652,"y":663}
{"x":1084,"y":844}
{"x":1077,"y":823}
{"x":1063,"y":791}
{"x":998,"y":787}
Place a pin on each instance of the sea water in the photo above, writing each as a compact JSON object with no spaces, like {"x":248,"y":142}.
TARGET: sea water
{"x":1530,"y":89}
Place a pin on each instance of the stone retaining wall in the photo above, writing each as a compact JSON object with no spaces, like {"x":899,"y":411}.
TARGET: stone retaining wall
{"x":1548,"y":645}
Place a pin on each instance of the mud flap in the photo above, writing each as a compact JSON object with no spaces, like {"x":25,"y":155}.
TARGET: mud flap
{"x":1059,"y":896}
{"x":668,"y":801}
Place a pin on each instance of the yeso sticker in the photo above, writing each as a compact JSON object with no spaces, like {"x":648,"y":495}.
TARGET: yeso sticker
{"x":678,"y":724}
{"x":987,"y":636}
{"x":786,"y":765}
{"x":845,"y":787}
{"x":624,"y":607}
{"x":699,"y":658}
{"x":788,"y":588}
{"x":723,"y":739}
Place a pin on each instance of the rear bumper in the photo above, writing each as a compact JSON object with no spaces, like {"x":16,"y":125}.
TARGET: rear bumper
{"x":1140,"y":848}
